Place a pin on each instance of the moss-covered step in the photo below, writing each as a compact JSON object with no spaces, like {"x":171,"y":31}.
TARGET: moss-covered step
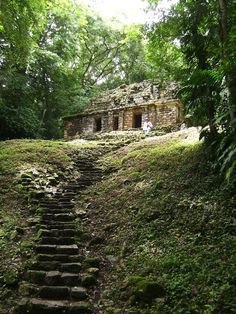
{"x":58,"y":240}
{"x":57,"y":249}
{"x":41,"y":306}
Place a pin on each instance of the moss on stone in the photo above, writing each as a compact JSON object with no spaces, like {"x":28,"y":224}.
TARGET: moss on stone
{"x":144,"y":290}
{"x":91,"y":262}
{"x":88,"y":280}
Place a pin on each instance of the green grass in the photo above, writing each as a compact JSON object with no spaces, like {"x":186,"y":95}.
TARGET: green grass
{"x":176,"y":226}
{"x":15,"y":154}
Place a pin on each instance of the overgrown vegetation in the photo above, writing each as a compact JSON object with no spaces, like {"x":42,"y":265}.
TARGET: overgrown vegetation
{"x":17,"y":211}
{"x":54,"y":57}
{"x":202,"y":35}
{"x":162,"y":223}
{"x":167,"y":222}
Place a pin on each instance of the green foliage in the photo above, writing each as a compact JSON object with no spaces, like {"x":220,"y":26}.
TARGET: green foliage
{"x":203,"y":33}
{"x":176,"y":218}
{"x":56,"y":56}
{"x":20,"y":22}
{"x":18,"y":113}
{"x":164,"y":53}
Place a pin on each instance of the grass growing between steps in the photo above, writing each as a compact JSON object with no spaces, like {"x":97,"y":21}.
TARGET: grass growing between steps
{"x":17,"y":208}
{"x":167,"y":224}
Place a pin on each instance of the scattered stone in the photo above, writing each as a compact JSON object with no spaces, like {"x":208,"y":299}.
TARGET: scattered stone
{"x":144,"y":290}
{"x":81,"y":213}
{"x":91,"y":262}
{"x":88,"y":280}
{"x":112,"y":259}
{"x":93,"y":271}
{"x":79,"y":293}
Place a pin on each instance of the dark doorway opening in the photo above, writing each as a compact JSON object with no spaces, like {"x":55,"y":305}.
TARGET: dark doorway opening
{"x":137,"y":120}
{"x":98,"y":124}
{"x":115,"y":123}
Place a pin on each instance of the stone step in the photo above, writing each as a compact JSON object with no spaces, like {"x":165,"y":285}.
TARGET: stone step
{"x":71,"y":267}
{"x":54,"y":292}
{"x":49,"y":200}
{"x":57,"y":278}
{"x":48,"y":204}
{"x":51,"y":225}
{"x":59,"y":205}
{"x":57,"y":240}
{"x":59,"y":210}
{"x":57,"y":265}
{"x":58,"y":232}
{"x":41,"y":306}
{"x":60,"y":257}
{"x":66,"y":205}
{"x":91,"y":170}
{"x":62,"y":292}
{"x":53,"y":278}
{"x":58,"y":217}
{"x":57,"y":249}
{"x":67,"y":249}
{"x":46,"y":266}
{"x":68,"y":194}
{"x":85,"y":167}
{"x":64,"y":199}
{"x":46,"y":249}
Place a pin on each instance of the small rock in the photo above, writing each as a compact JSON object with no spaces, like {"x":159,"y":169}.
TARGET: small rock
{"x":93,"y":271}
{"x":112,"y":258}
{"x":81,"y":213}
{"x":87,"y":280}
{"x":91,"y":262}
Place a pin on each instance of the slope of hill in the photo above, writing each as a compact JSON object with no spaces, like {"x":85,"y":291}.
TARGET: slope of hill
{"x":163,"y":224}
{"x":161,"y":221}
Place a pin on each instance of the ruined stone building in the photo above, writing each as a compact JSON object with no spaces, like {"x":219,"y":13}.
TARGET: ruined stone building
{"x":126,"y":107}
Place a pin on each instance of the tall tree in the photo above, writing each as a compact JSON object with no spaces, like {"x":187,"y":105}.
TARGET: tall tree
{"x":206,"y":33}
{"x":228,"y":33}
{"x":55,"y":55}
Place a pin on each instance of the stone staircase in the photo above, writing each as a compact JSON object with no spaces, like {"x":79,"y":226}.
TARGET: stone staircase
{"x":61,"y":279}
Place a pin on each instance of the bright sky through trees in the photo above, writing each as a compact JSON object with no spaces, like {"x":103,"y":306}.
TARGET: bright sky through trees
{"x":126,"y":11}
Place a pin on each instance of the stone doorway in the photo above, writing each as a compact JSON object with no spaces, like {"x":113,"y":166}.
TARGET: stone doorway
{"x":97,"y":124}
{"x":115,"y":123}
{"x":137,"y":120}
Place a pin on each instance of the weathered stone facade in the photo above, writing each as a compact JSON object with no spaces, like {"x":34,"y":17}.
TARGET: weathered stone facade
{"x":126,"y":108}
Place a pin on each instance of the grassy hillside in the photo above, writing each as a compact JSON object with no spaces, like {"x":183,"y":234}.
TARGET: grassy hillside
{"x":161,"y":221}
{"x":16,"y":210}
{"x":164,"y":224}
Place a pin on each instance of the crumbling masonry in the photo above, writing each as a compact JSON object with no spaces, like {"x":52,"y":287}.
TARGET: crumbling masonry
{"x":126,"y":107}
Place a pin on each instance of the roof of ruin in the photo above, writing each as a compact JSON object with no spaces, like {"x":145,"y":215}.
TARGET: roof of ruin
{"x":135,"y":94}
